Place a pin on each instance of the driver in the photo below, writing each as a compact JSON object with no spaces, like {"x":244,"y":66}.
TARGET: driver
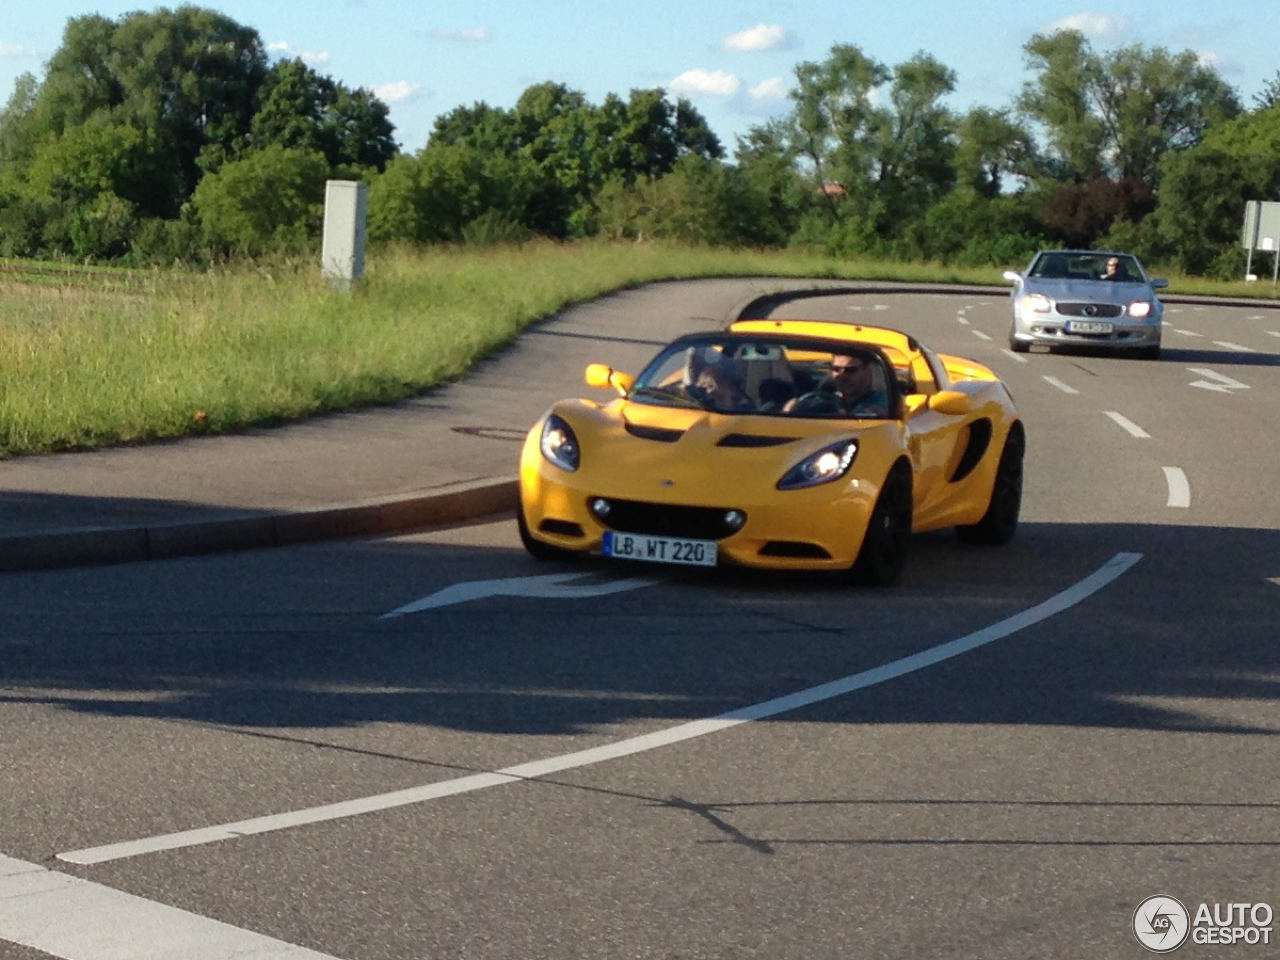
{"x":850,"y":391}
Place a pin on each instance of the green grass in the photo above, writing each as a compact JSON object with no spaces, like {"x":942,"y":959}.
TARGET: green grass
{"x":92,"y":357}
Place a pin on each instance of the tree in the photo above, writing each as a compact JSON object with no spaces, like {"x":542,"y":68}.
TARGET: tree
{"x":300,"y":109}
{"x":271,"y":199}
{"x":992,"y":147}
{"x":1117,"y":115}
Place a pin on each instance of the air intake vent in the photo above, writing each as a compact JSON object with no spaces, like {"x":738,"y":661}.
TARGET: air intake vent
{"x":752,"y":440}
{"x":661,"y":434}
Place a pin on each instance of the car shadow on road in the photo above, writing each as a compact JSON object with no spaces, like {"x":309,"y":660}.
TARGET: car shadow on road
{"x":1173,"y":644}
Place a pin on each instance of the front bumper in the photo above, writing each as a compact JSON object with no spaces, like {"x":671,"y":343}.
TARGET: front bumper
{"x":814,"y":529}
{"x":1052,"y":330}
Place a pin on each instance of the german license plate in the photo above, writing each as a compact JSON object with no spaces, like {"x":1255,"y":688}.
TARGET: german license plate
{"x":636,"y":546}
{"x":1089,"y":326}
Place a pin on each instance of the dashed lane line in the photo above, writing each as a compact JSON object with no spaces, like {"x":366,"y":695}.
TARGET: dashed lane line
{"x":1055,"y":382}
{"x":1179,"y":487}
{"x":1132,"y":428}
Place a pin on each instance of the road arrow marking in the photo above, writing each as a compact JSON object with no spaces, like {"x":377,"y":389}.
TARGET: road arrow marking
{"x":553,"y":586}
{"x":1225,"y":383}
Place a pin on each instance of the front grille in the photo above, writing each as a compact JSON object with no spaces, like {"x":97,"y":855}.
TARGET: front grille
{"x":1100,"y":310}
{"x":665,"y":520}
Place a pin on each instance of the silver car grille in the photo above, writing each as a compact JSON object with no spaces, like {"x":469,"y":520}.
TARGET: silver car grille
{"x":1090,"y":309}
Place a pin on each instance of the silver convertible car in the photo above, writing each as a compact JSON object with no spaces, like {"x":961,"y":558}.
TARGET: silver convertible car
{"x":1086,"y":298}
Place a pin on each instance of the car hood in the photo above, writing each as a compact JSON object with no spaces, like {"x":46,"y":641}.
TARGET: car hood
{"x":647,"y":452}
{"x":1089,"y":291}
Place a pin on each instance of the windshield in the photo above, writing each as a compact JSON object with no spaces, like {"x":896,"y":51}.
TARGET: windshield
{"x":770,"y":377}
{"x":1071,"y":265}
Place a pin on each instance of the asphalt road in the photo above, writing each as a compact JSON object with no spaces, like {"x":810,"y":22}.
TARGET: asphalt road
{"x":1016,"y":794}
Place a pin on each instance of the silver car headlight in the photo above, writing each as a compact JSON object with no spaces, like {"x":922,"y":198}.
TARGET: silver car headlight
{"x":1036,"y":303}
{"x":1140,"y":309}
{"x":559,"y":444}
{"x":830,"y":463}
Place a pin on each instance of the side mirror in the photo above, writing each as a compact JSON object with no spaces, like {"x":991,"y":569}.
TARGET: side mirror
{"x":602,"y":375}
{"x":1013,"y":276}
{"x":914,"y":403}
{"x":953,"y":403}
{"x":1159,"y":283}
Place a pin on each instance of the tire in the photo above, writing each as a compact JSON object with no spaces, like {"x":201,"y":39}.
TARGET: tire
{"x":1019,"y":346}
{"x":1000,"y":522}
{"x":536,"y":548}
{"x":884,"y":546}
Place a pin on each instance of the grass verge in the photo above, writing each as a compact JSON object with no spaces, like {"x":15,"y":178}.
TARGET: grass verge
{"x":90,"y":358}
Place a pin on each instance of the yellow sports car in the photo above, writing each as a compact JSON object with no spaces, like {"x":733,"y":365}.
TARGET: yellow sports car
{"x":784,"y":444}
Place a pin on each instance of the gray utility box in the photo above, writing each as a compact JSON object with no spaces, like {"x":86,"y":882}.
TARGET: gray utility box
{"x":342,"y":258}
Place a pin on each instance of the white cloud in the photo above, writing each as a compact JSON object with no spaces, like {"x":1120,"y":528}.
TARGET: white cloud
{"x":312,"y":58}
{"x":1212,"y":60}
{"x":763,"y":36}
{"x":397,"y":92}
{"x":473,"y":35}
{"x":773,"y":89}
{"x":715,"y":82}
{"x":1095,"y":26}
{"x":13,"y":50}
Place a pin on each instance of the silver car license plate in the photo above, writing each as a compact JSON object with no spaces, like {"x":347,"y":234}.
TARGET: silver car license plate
{"x":1089,"y":326}
{"x":636,"y":546}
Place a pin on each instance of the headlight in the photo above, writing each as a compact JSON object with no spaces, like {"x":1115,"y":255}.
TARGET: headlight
{"x":559,"y":445}
{"x":1140,"y":309}
{"x":829,"y":463}
{"x":1037,"y":303}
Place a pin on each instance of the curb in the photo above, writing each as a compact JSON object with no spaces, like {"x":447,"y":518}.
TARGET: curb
{"x":455,"y":503}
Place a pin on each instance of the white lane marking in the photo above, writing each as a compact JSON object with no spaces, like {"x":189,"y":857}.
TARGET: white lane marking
{"x":1274,"y":333}
{"x":1238,"y":348}
{"x":552,"y":586}
{"x":964,"y":320}
{"x":1179,"y":487}
{"x":980,"y":335}
{"x":1016,"y":356}
{"x":1187,"y":333}
{"x":1055,"y":382}
{"x":1129,"y":425}
{"x":76,"y":919}
{"x":1221,"y":381}
{"x":1056,"y":604}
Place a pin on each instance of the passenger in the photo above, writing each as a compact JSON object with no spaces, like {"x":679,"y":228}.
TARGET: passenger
{"x":721,"y":387}
{"x":850,"y":391}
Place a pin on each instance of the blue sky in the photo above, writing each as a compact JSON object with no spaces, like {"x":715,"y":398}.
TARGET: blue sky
{"x":734,"y":59}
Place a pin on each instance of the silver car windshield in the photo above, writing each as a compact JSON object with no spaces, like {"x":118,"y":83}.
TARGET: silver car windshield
{"x":1070,"y":265}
